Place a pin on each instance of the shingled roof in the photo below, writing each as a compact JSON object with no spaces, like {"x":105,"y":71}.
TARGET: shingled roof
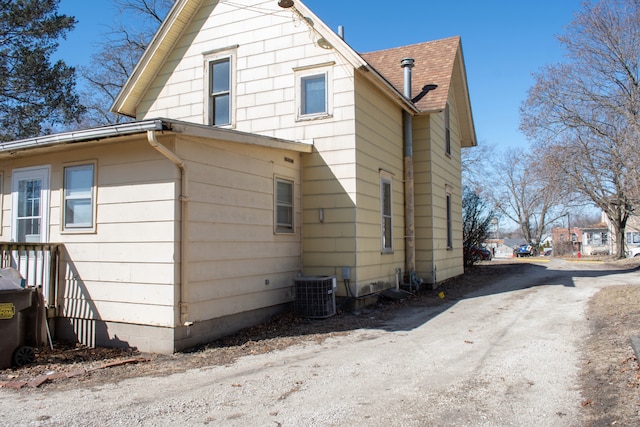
{"x":434,"y":62}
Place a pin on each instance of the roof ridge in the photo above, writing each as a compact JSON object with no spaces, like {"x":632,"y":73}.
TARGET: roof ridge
{"x":411,"y":45}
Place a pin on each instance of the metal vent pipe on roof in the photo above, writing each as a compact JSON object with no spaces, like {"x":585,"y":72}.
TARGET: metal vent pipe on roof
{"x":407,"y":64}
{"x":341,"y":32}
{"x":409,"y":202}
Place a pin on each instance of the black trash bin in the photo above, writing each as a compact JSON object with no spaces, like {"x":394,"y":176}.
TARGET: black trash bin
{"x":21,"y":321}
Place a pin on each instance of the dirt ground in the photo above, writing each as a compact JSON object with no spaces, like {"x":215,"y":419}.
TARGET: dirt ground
{"x":610,"y":376}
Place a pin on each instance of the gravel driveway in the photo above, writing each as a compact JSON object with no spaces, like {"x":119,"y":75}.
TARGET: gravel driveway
{"x":508,"y":354}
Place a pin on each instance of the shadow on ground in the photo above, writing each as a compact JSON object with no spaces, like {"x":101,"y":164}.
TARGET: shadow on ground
{"x":287,"y":329}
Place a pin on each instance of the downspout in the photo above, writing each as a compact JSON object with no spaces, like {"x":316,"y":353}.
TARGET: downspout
{"x":184,"y":215}
{"x":409,"y":202}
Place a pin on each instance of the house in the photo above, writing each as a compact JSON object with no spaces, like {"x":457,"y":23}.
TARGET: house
{"x":562,"y":244}
{"x":264,"y":148}
{"x":632,"y":231}
{"x":603,"y":236}
{"x":503,"y":248}
{"x":595,"y":240}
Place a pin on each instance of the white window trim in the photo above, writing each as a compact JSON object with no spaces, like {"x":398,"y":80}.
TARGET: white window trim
{"x":213,"y":56}
{"x":311,"y":71}
{"x":386,"y":178}
{"x":94,"y":202}
{"x":276,"y":228}
{"x":45,"y":201}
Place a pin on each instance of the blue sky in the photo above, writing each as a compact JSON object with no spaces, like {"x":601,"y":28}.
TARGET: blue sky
{"x":504,"y":42}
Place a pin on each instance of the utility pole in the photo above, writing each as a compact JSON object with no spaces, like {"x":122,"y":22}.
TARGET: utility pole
{"x":570,"y":233}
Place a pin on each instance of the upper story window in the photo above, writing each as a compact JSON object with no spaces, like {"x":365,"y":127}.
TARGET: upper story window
{"x":79,"y":197}
{"x":220,"y":92}
{"x":314,"y":94}
{"x":219,"y":86}
{"x":314,"y":91}
{"x":447,"y":130}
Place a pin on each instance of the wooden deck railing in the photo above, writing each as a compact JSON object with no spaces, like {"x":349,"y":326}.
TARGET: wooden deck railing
{"x":38,"y":263}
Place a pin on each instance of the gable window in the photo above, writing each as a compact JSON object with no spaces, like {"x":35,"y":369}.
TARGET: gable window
{"x":314,"y":91}
{"x":284,"y":206}
{"x":220,"y":92}
{"x":218,"y":86}
{"x":386,"y":213}
{"x":449,"y":225}
{"x":447,"y":130}
{"x":314,"y":94}
{"x":78,"y":193}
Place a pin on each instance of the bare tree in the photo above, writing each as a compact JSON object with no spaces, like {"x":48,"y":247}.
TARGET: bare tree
{"x":476,"y":162}
{"x":583,"y":114}
{"x":476,"y":220}
{"x":525,"y":194}
{"x":115,"y":60}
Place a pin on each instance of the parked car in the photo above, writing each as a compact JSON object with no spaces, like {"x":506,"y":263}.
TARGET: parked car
{"x":633,"y":252}
{"x":478,"y":253}
{"x":525,"y":250}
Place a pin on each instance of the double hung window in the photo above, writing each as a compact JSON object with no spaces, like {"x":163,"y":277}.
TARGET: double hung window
{"x":220,"y":92}
{"x":79,"y":197}
{"x":386,"y":213}
{"x":284,"y":206}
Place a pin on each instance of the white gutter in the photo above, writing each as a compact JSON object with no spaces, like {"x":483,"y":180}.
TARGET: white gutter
{"x":82,"y":135}
{"x":184,"y":215}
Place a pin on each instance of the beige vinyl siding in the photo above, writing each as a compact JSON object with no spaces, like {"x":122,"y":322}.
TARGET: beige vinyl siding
{"x":267,"y":47}
{"x":330,"y":244}
{"x":423,"y":194}
{"x":271,"y":50}
{"x":125,"y":270}
{"x":233,"y":248}
{"x":379,"y":147}
{"x":436,"y":262}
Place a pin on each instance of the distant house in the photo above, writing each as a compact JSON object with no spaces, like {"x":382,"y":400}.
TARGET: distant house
{"x":565,"y":243}
{"x":632,"y":231}
{"x":595,"y":239}
{"x":263,"y":148}
{"x":503,"y":248}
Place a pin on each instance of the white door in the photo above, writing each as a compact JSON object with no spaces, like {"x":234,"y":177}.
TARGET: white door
{"x":30,"y":220}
